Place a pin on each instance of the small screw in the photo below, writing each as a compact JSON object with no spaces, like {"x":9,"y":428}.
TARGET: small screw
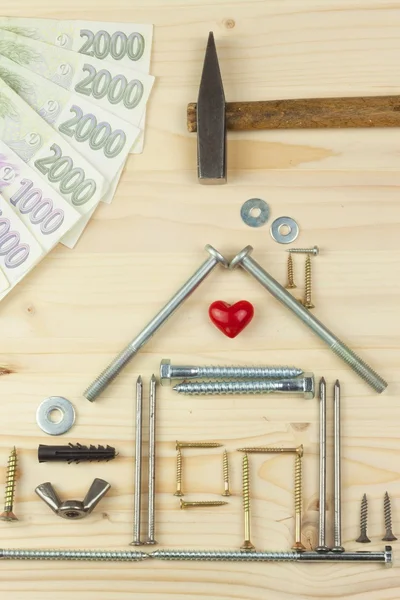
{"x":202,"y":503}
{"x":197,"y":445}
{"x":271,"y":450}
{"x":178,"y":473}
{"x":298,"y":546}
{"x":247,"y":545}
{"x":290,"y":283}
{"x":314,"y":250}
{"x":389,"y":537}
{"x":225,"y":466}
{"x":307,"y":302}
{"x":11,"y":478}
{"x":363,"y":538}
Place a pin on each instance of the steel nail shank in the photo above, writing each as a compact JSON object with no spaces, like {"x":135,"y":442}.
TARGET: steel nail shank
{"x":138,"y":464}
{"x":114,"y":368}
{"x":336,"y":345}
{"x":322,"y":547}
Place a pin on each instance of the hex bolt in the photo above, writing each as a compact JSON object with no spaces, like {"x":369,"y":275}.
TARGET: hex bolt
{"x":11,"y":478}
{"x":247,"y":545}
{"x":178,"y":491}
{"x":314,"y":250}
{"x":363,"y":537}
{"x":301,"y":385}
{"x":201,"y":503}
{"x":290,"y":274}
{"x":225,"y":472}
{"x":337,"y":346}
{"x":169,"y":372}
{"x":298,"y":501}
{"x":337,"y":468}
{"x":115,"y":367}
{"x":389,"y":536}
{"x":322,"y":547}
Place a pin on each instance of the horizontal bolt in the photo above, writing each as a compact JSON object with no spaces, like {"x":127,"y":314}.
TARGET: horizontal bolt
{"x":314,"y":250}
{"x":201,"y":503}
{"x":271,"y":450}
{"x":197,"y":445}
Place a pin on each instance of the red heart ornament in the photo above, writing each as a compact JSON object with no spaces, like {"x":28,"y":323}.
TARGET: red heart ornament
{"x":231,"y":319}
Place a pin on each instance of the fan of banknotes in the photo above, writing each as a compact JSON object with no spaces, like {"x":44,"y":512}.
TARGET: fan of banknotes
{"x":73,"y":96}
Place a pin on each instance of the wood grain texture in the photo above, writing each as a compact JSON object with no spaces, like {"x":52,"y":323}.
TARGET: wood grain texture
{"x":77,"y":309}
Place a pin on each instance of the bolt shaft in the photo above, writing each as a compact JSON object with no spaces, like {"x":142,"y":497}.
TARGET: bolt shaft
{"x":322,"y":547}
{"x":314,"y":250}
{"x":298,"y":500}
{"x":363,"y":537}
{"x":178,"y":491}
{"x":116,"y":366}
{"x":138,"y":464}
{"x":290,"y":274}
{"x":389,"y":536}
{"x":247,"y":544}
{"x":301,"y":385}
{"x":307,"y":302}
{"x":152,"y":462}
{"x":225,"y":470}
{"x":337,"y":346}
{"x":201,"y":503}
{"x":337,"y":529}
{"x":11,"y":478}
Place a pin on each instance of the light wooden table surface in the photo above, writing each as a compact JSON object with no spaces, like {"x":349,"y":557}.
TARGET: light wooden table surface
{"x":69,"y":318}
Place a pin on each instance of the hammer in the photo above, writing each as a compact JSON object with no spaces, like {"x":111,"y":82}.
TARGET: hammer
{"x":211,"y":116}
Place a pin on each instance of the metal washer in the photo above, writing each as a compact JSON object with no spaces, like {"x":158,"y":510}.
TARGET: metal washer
{"x":248,"y":206}
{"x":284,"y":222}
{"x":55,"y":403}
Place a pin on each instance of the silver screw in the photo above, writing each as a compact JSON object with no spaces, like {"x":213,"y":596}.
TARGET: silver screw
{"x":168,"y":372}
{"x":152,"y":462}
{"x":301,"y":385}
{"x":240,"y":556}
{"x":322,"y":547}
{"x":314,"y":250}
{"x":337,"y":346}
{"x":115,"y":367}
{"x":80,"y":555}
{"x":389,"y":535}
{"x":138,"y":464}
{"x":337,"y":531}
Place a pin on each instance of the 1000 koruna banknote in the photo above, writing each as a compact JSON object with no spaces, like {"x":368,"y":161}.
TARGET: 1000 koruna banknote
{"x":37,"y":144}
{"x":128,"y":44}
{"x":103,"y":138}
{"x":115,"y":88}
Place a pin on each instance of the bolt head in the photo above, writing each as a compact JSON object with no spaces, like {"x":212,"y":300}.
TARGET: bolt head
{"x":247,"y":545}
{"x":315,"y":250}
{"x":309,"y":386}
{"x":165,"y":371}
{"x":8,"y":515}
{"x":239,"y":257}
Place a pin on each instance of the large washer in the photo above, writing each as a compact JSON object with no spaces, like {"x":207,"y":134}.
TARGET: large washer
{"x":248,"y":218}
{"x":66,"y":409}
{"x":290,"y":236}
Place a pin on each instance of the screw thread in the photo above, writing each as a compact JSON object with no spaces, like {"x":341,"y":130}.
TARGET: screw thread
{"x":197,"y":445}
{"x":275,"y":372}
{"x":231,"y":387}
{"x":90,"y":555}
{"x":179,"y":467}
{"x":290,"y":273}
{"x":109,"y":374}
{"x":268,"y":450}
{"x":10,"y":481}
{"x":297,"y":484}
{"x":388,"y":512}
{"x":246,"y":484}
{"x":308,"y":280}
{"x":359,"y":366}
{"x":221,"y":555}
{"x":202,"y":503}
{"x":364,"y":514}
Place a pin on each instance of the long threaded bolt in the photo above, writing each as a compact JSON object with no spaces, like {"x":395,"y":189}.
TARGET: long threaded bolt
{"x":197,"y":444}
{"x":290,"y":274}
{"x":384,"y":557}
{"x":178,"y":491}
{"x":77,"y":555}
{"x":301,"y":385}
{"x":337,"y":467}
{"x":363,"y":537}
{"x":11,"y":478}
{"x":169,"y":372}
{"x":314,"y":250}
{"x":247,"y":545}
{"x":298,"y":501}
{"x":270,"y":450}
{"x":307,"y":302}
{"x":322,"y":547}
{"x":337,"y":346}
{"x":115,"y":367}
{"x":389,"y":536}
{"x":225,"y":470}
{"x":202,"y":503}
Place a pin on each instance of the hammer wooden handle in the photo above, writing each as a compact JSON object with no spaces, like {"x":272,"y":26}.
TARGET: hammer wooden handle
{"x":308,"y":113}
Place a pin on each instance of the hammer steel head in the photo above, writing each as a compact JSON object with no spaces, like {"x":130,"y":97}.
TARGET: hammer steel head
{"x":211,"y":127}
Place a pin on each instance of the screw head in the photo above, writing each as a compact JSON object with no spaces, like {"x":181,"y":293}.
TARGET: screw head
{"x":298,"y":547}
{"x":322,"y":549}
{"x":247,"y":545}
{"x":363,"y":539}
{"x":178,"y":493}
{"x":389,"y":537}
{"x":290,"y":286}
{"x":8,"y":515}
{"x":226,"y":493}
{"x":165,"y":371}
{"x":337,"y":549}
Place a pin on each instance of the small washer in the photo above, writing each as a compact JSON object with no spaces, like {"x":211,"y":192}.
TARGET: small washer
{"x":290,"y":236}
{"x":248,"y":206}
{"x":55,"y":403}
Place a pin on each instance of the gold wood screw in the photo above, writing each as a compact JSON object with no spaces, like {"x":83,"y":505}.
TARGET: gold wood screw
{"x":11,"y":477}
{"x":247,"y":545}
{"x":307,"y":302}
{"x":271,"y":450}
{"x":197,"y":445}
{"x":225,"y":466}
{"x":202,"y":503}
{"x":298,"y":501}
{"x":290,"y":283}
{"x":178,"y":473}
